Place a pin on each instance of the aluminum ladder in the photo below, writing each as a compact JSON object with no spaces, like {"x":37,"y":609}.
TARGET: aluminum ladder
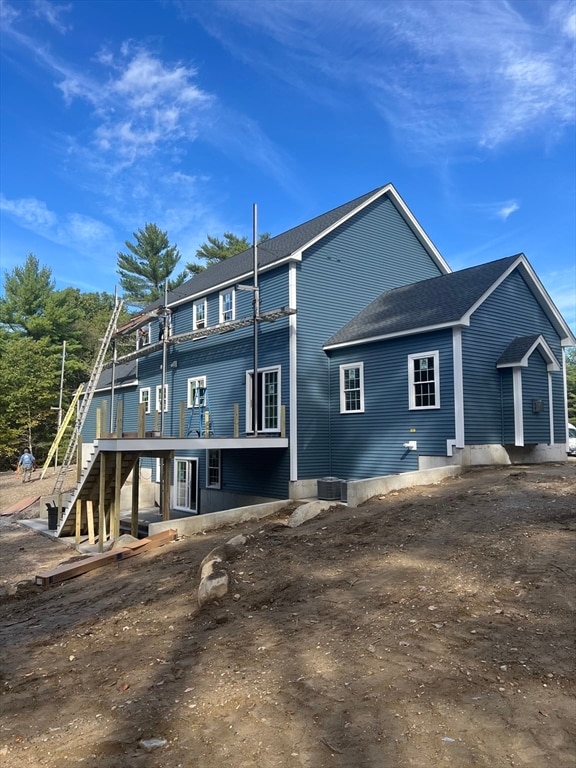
{"x":87,"y":399}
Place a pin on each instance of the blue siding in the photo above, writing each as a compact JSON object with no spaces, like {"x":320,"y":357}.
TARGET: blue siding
{"x":535,"y":387}
{"x":373,"y":252}
{"x":372,"y":443}
{"x":510,"y":311}
{"x":507,"y":407}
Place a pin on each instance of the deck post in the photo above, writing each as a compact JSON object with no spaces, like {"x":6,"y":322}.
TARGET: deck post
{"x":115,"y":517}
{"x":101,"y":506}
{"x":166,"y":487}
{"x":135,"y":499}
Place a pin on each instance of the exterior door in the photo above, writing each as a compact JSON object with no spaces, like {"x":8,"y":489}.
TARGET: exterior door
{"x":186,"y":485}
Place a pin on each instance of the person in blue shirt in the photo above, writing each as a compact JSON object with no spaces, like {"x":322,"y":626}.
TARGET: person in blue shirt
{"x":26,"y":464}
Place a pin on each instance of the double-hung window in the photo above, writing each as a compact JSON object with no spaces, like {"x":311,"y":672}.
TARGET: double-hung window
{"x":196,"y":392}
{"x":162,"y":398}
{"x":145,"y":398}
{"x":227,"y":305}
{"x":268,"y":400}
{"x":352,"y":388}
{"x":199,"y":315}
{"x":424,"y":380}
{"x":213,"y":469}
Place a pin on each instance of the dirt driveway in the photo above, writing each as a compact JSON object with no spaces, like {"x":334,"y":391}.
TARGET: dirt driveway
{"x":430,"y":628}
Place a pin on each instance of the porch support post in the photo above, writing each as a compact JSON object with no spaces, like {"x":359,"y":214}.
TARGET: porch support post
{"x":115,"y":521}
{"x":166,"y":462}
{"x":101,"y":507}
{"x":135,"y":498}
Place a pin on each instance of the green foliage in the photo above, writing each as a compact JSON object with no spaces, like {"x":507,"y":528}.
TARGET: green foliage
{"x":35,"y":320}
{"x":215,"y":250}
{"x":26,"y":292}
{"x":571,"y":383}
{"x":148,"y":265}
{"x":29,"y":381}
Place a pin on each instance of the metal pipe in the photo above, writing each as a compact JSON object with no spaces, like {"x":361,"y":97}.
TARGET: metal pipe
{"x":255,"y":399}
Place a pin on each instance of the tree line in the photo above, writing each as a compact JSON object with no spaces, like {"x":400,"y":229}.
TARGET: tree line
{"x":36,"y":319}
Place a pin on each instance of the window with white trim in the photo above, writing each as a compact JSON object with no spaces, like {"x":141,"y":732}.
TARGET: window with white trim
{"x":268,"y":400}
{"x":145,"y":398}
{"x":194,"y":389}
{"x":213,"y":469}
{"x":352,"y":388}
{"x":424,"y":380}
{"x":227,"y":306}
{"x":199,"y":315}
{"x":159,"y":397}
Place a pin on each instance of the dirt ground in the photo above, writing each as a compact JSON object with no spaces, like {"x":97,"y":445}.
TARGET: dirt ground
{"x":430,"y":628}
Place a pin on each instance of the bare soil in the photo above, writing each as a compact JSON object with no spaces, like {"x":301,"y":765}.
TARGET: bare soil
{"x":433,"y":627}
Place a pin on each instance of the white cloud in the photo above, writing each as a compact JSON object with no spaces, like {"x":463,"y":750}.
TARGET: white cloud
{"x":29,"y":213}
{"x":442,"y":72}
{"x":507,"y":209}
{"x":52,"y":13}
{"x":72,"y":230}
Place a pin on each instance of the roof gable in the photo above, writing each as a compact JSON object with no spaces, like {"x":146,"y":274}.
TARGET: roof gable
{"x":292,"y":243}
{"x":521,"y":348}
{"x":441,"y":302}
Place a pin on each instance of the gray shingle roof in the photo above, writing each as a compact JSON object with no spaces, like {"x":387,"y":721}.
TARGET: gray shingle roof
{"x":516,"y":350}
{"x":270,"y":251}
{"x":437,"y":301}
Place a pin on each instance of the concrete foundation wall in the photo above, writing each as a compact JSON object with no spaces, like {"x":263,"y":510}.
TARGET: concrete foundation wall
{"x":190,"y":525}
{"x":362,"y":490}
{"x":303,"y":489}
{"x":212,"y":500}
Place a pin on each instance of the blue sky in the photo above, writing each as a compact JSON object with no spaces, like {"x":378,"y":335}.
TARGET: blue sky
{"x":185,"y":114}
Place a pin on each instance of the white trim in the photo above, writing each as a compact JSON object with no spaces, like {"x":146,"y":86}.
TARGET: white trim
{"x":201,"y":381}
{"x":551,"y":408}
{"x":157,"y":404}
{"x":200,"y":302}
{"x":388,"y":190}
{"x":518,"y":414}
{"x":343,"y":368}
{"x":458,"y":388}
{"x":552,"y":363}
{"x":411,"y":383}
{"x":398,"y":334}
{"x":542,"y":297}
{"x":221,"y":294}
{"x":261,"y":404}
{"x":402,"y":209}
{"x":148,"y":405}
{"x":189,"y":461}
{"x":293,"y":371}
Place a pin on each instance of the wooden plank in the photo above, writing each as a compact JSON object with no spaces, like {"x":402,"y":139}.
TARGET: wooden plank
{"x":78,"y":520}
{"x":71,"y":570}
{"x":90,"y":520}
{"x":19,"y":506}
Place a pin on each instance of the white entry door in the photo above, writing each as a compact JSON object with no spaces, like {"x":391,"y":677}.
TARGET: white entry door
{"x":186,"y":484}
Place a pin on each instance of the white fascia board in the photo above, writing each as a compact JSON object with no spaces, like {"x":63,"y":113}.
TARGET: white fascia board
{"x":566,"y":335}
{"x":233,"y":282}
{"x":552,"y":363}
{"x":399,"y":334}
{"x":293,"y":371}
{"x":406,"y":214}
